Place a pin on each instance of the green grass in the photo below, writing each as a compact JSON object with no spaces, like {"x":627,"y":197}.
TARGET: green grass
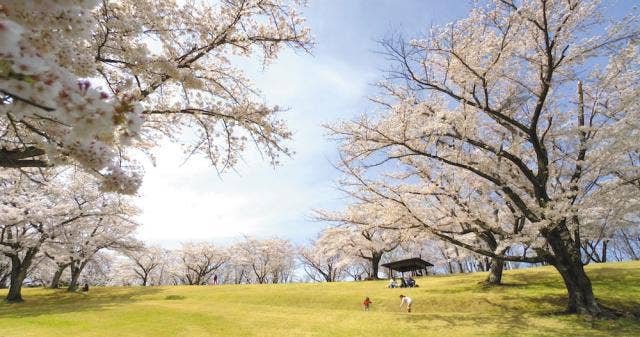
{"x":529,"y":305}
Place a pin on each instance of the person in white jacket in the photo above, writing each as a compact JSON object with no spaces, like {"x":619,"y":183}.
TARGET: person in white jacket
{"x":405,"y":300}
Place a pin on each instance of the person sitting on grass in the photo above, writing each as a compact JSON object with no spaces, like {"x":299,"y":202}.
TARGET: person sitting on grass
{"x":405,"y":300}
{"x":85,"y":288}
{"x":393,"y":284}
{"x":366,"y":304}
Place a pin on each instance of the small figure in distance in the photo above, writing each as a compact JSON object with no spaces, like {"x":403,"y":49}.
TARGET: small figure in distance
{"x":85,"y":288}
{"x":405,"y":300}
{"x":215,"y":279}
{"x":393,"y":283}
{"x":366,"y":304}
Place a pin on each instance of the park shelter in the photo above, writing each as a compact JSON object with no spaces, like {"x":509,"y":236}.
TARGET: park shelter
{"x":416,"y":266}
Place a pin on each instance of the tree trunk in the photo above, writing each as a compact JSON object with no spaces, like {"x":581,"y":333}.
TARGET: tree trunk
{"x":76,"y":270}
{"x":604,"y":251}
{"x":73,"y":284}
{"x":495,"y":272}
{"x":17,"y":276}
{"x":55,"y":282}
{"x":568,"y":262}
{"x":19,"y":273}
{"x":375,"y":262}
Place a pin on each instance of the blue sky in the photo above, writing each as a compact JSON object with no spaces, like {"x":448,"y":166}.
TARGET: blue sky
{"x":191,"y":202}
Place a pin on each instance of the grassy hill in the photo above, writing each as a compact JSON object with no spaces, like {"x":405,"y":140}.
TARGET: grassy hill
{"x":530,"y":304}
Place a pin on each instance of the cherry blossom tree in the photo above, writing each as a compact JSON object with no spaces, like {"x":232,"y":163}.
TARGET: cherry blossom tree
{"x":30,"y":215}
{"x":85,"y":239}
{"x":532,"y":105}
{"x":236,"y":271}
{"x":98,"y":270}
{"x":448,"y":199}
{"x":269,"y":260}
{"x":361,"y":233}
{"x":86,"y":82}
{"x":147,"y":264}
{"x":198,"y":262}
{"x":320,"y":263}
{"x":110,"y":226}
{"x":64,"y":216}
{"x":357,"y":268}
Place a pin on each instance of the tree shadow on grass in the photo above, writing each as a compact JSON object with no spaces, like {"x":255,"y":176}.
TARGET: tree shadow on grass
{"x":514,"y":322}
{"x":504,"y":323}
{"x":546,"y":300}
{"x":60,"y":301}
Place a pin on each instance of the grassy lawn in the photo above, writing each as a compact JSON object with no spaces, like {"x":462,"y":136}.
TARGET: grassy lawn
{"x":529,"y":305}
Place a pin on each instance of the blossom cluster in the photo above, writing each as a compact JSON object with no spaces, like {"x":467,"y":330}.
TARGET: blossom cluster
{"x":48,"y":104}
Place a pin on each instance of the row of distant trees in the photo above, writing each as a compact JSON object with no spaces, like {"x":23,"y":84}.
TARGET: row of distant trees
{"x":247,"y":261}
{"x":339,"y":253}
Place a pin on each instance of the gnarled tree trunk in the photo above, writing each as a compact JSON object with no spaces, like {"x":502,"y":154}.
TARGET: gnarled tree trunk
{"x":19,"y":270}
{"x":568,"y":262}
{"x":17,"y":276}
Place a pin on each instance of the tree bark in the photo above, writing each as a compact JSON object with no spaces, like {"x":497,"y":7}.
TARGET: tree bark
{"x":375,"y":262}
{"x":73,"y":284}
{"x":18,"y":274}
{"x":19,"y":270}
{"x":76,"y":270}
{"x":495,"y":272}
{"x":55,"y":282}
{"x":567,"y":261}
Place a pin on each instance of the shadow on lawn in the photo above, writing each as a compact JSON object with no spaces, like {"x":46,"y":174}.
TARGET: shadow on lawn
{"x":61,"y":301}
{"x":546,"y":292}
{"x":514,"y":323}
{"x":501,"y":322}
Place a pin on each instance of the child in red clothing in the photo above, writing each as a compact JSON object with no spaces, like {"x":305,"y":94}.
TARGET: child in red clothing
{"x":366,"y":303}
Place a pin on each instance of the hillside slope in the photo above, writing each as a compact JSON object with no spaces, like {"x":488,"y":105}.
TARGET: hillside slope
{"x":443,"y":306}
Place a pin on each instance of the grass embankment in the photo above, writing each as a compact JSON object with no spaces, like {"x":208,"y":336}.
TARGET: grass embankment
{"x":529,"y":304}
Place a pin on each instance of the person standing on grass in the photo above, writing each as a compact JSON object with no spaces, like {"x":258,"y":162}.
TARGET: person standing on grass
{"x":405,"y":300}
{"x":215,"y":279}
{"x":366,"y":304}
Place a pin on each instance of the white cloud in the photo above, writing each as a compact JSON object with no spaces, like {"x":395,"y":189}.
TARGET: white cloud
{"x":191,"y":202}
